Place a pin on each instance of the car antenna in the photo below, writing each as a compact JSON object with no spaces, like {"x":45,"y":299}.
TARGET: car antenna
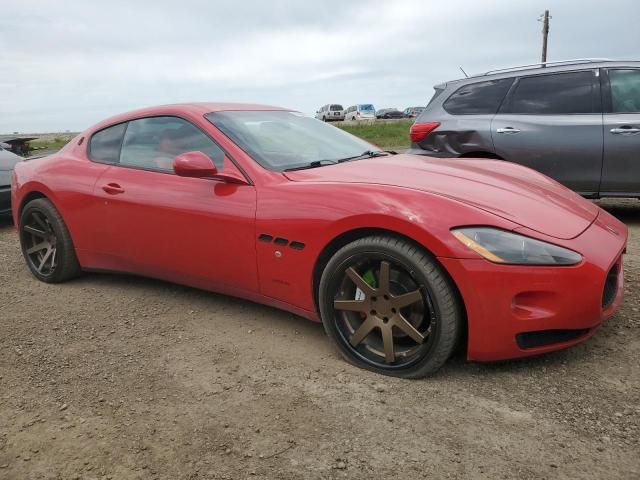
{"x":465,"y":73}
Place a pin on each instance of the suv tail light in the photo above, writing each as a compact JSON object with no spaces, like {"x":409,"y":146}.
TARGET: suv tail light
{"x":420,"y":130}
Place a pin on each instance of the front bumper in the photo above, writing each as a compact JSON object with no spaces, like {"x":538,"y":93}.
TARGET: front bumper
{"x":517,"y":311}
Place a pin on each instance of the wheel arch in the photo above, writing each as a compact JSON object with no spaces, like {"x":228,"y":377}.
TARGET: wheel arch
{"x":352,"y":235}
{"x":32,"y":195}
{"x":33,"y":191}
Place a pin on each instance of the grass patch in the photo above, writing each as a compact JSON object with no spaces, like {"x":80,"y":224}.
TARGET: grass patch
{"x":50,"y":143}
{"x":387,"y":135}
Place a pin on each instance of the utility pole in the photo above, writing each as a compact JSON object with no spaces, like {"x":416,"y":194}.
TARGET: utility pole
{"x":545,"y":33}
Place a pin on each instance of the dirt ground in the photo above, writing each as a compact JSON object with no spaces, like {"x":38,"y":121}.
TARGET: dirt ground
{"x":114,"y":377}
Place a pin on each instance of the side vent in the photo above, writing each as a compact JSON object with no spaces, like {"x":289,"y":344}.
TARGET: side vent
{"x":297,"y":245}
{"x":281,"y":241}
{"x":265,"y":238}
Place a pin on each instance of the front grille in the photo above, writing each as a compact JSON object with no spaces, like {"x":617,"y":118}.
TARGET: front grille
{"x":542,"y":338}
{"x":610,"y":286}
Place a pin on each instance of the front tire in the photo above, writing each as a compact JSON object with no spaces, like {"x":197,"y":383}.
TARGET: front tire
{"x":390,"y":307}
{"x":46,"y":243}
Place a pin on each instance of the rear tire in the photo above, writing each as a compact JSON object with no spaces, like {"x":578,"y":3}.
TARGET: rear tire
{"x":46,"y":243}
{"x":389,"y":307}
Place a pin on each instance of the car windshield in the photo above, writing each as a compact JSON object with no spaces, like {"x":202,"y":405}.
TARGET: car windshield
{"x":366,"y":108}
{"x":280,"y":140}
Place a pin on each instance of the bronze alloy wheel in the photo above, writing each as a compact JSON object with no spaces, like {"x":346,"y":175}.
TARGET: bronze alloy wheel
{"x":46,"y":243}
{"x":389,"y":307}
{"x":40,"y":243}
{"x":386,"y":319}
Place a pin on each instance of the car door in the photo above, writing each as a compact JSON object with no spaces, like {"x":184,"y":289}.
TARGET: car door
{"x":195,"y":231}
{"x":621,"y":130}
{"x":553,"y":123}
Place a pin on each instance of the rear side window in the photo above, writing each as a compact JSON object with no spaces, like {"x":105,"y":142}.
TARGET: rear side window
{"x":105,"y":145}
{"x":153,"y":143}
{"x":625,"y":91}
{"x":480,"y":98}
{"x":562,"y":93}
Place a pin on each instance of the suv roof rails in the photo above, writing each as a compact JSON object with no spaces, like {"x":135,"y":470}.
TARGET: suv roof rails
{"x":575,"y":61}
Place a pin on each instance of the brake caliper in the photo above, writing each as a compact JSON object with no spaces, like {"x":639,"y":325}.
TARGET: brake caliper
{"x":370,"y":278}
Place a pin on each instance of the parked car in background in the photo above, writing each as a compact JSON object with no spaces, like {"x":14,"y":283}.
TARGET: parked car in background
{"x":363,"y":111}
{"x":576,"y":121}
{"x":330,"y":112}
{"x":8,"y":161}
{"x":412,"y":112}
{"x":400,"y":258}
{"x":389,"y":113}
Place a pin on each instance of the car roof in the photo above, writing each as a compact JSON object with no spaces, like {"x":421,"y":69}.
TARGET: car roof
{"x":536,"y":69}
{"x":193,"y":108}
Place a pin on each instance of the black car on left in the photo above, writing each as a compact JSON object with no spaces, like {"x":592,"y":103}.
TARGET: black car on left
{"x":8,"y":160}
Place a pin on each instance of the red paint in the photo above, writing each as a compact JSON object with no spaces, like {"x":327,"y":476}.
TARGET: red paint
{"x":194,"y":165}
{"x":203,"y":231}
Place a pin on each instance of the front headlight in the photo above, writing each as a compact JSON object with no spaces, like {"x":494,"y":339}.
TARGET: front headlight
{"x":500,"y":246}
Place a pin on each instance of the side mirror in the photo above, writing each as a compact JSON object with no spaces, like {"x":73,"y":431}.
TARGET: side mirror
{"x":194,"y":164}
{"x":198,"y":165}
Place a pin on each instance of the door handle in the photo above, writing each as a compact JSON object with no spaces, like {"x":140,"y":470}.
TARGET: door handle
{"x":507,"y":130}
{"x":625,"y":130}
{"x":113,"y":188}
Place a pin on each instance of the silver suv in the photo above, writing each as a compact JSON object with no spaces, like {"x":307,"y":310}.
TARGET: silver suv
{"x":330,"y":112}
{"x":576,"y":121}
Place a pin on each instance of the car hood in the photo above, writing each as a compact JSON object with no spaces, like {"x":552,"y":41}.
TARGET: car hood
{"x":510,"y":191}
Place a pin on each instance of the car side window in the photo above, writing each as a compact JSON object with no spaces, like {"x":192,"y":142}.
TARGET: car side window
{"x":625,"y":91}
{"x":560,"y":93}
{"x":481,"y":98}
{"x":153,"y":143}
{"x":105,"y":144}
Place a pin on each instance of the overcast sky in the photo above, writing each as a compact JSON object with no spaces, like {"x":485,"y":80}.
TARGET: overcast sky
{"x":68,"y":64}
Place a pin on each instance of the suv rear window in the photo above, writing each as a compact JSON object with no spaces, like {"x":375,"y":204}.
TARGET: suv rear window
{"x":560,"y":93}
{"x":335,"y":108}
{"x":478,"y":98}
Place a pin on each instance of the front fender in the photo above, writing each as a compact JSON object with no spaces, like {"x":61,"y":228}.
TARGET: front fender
{"x":316,"y":215}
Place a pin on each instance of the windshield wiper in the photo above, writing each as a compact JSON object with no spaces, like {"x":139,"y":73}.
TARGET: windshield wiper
{"x":365,"y":154}
{"x":314,"y":164}
{"x":321,"y":163}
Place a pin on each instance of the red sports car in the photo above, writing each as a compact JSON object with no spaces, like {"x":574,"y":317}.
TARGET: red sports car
{"x":401,"y":257}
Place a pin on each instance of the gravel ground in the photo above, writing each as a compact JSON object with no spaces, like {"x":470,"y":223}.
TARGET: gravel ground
{"x":114,"y":377}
